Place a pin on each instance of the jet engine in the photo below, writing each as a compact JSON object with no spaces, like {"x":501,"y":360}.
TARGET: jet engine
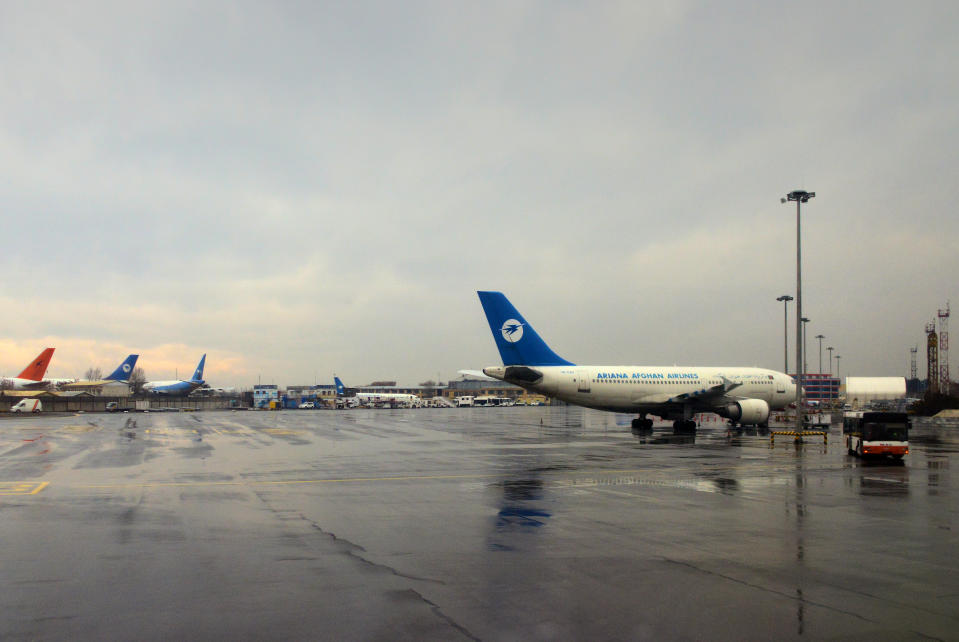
{"x":748,"y":411}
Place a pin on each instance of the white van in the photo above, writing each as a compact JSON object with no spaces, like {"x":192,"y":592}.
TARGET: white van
{"x":27,"y":405}
{"x":464,"y":401}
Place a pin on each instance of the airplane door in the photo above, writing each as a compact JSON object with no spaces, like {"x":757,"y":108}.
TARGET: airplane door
{"x":582,"y":380}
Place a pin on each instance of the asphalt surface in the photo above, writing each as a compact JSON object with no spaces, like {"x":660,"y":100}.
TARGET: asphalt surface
{"x":483,"y":524}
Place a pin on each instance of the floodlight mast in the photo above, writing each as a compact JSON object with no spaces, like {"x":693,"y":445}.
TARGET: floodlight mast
{"x":785,"y":299}
{"x":820,"y":337}
{"x":799,"y":196}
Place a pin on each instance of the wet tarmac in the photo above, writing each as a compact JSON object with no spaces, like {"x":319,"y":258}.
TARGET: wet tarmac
{"x":482,"y":524}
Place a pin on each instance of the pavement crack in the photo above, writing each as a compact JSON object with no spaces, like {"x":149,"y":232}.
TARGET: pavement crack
{"x":769,"y":590}
{"x":899,"y":603}
{"x":438,"y":612}
{"x":354,"y":550}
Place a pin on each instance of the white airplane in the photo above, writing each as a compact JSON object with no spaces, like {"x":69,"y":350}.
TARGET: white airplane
{"x":32,"y":377}
{"x":177,"y":386}
{"x":379,"y":398}
{"x":744,"y":395}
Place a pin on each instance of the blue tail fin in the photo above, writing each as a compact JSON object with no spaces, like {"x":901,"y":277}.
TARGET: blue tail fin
{"x":198,"y":373}
{"x":125,"y":369}
{"x":340,"y":388}
{"x":518,"y":343}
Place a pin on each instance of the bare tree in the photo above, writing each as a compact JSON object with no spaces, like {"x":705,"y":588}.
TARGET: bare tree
{"x":137,"y":379}
{"x":93,"y":374}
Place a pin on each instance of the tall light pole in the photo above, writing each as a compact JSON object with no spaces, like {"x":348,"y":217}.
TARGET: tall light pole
{"x":820,"y":337}
{"x":805,"y":354}
{"x":800,"y":197}
{"x":785,"y":299}
{"x":830,"y":348}
{"x":837,"y":371}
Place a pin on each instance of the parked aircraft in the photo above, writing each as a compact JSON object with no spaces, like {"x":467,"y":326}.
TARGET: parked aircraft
{"x":178,"y":387}
{"x":379,"y":398}
{"x":32,"y":376}
{"x":120,"y":375}
{"x":744,"y":395}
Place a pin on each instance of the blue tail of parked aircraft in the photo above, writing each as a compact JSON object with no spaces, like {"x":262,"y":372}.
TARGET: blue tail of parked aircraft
{"x":518,"y":342}
{"x":125,"y":369}
{"x":198,"y":373}
{"x":340,"y":388}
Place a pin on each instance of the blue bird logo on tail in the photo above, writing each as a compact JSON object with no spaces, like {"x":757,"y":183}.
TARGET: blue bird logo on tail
{"x":512,"y":330}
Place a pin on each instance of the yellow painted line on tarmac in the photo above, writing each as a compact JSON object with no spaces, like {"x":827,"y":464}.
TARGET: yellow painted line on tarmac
{"x":281,"y":431}
{"x":22,"y":488}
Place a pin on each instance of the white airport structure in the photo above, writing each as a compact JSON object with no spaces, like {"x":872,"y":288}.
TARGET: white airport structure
{"x":860,"y":391}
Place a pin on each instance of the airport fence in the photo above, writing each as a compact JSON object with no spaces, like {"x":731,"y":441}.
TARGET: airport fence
{"x":99,"y":404}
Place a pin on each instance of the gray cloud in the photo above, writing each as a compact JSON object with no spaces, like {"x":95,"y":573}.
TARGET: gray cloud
{"x":303,"y":188}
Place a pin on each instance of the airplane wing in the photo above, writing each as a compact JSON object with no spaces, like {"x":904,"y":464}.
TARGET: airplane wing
{"x":76,"y":385}
{"x":706,"y":395}
{"x":712,"y":392}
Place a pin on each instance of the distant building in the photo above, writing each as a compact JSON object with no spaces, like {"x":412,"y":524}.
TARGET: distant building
{"x":320,"y":392}
{"x":476,"y":387}
{"x":861,"y":391}
{"x":264,"y":394}
{"x":404,"y":390}
{"x":115,"y":389}
{"x":820,"y":387}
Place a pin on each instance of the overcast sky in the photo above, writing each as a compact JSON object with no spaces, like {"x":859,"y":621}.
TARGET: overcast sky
{"x":299,"y":189}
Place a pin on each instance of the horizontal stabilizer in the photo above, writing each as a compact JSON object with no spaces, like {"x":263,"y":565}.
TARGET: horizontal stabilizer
{"x":477,"y":374}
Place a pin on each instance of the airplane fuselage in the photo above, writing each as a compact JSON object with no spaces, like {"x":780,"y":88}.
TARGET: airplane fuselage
{"x":18,"y":383}
{"x":373,"y":398}
{"x":664,"y":391}
{"x":172,"y":387}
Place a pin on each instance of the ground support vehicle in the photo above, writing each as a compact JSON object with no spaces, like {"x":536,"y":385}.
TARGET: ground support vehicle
{"x":884,"y":434}
{"x":27,"y":405}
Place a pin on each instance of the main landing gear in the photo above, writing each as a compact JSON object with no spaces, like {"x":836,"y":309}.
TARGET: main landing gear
{"x":642,"y":424}
{"x":684,"y":426}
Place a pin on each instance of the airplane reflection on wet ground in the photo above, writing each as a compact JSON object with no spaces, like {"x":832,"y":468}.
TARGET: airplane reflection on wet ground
{"x":540,"y":523}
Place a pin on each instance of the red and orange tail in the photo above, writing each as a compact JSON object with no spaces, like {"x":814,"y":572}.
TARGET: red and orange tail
{"x":38,"y":367}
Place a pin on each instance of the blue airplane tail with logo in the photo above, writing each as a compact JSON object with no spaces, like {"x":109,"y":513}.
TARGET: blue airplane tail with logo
{"x":125,"y":369}
{"x":518,"y":342}
{"x":340,"y":388}
{"x":198,"y":373}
